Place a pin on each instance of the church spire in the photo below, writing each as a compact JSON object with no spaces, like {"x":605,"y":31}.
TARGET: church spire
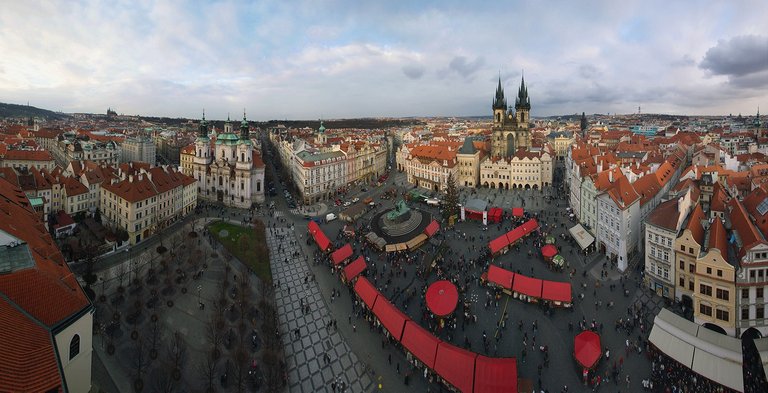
{"x":244,"y":128}
{"x":522,"y":101}
{"x":203,"y":130}
{"x":499,"y":102}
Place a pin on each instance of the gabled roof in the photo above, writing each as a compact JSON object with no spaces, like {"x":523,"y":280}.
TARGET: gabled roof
{"x":694,"y":224}
{"x":719,"y":198}
{"x":741,"y":223}
{"x":756,"y":203}
{"x":717,"y":238}
{"x":648,"y":187}
{"x":622,"y":192}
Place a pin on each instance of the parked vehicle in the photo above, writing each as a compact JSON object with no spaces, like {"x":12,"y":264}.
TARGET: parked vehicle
{"x":330,"y":217}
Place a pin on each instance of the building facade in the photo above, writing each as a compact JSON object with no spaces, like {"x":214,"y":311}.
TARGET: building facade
{"x":230,"y":171}
{"x":138,"y":148}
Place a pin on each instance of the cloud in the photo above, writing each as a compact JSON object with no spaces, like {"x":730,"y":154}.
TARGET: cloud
{"x":462,"y":66}
{"x":413,"y":71}
{"x":738,"y":56}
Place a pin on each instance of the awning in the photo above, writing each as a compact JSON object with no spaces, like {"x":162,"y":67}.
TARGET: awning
{"x":319,"y":236}
{"x":366,"y":291}
{"x":556,"y":291}
{"x":498,"y":244}
{"x":527,"y":285}
{"x":495,"y":375}
{"x":518,"y":211}
{"x":355,"y":268}
{"x":762,"y":349}
{"x":456,"y":365}
{"x":421,"y":343}
{"x":587,"y":349}
{"x":521,"y":231}
{"x":667,"y":334}
{"x":500,"y":277}
{"x":392,"y":318}
{"x":341,"y":254}
{"x":717,"y":369}
{"x":417,"y":241}
{"x":432,"y":228}
{"x":582,"y":236}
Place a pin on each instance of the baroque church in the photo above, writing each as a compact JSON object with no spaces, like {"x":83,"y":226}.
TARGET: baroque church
{"x":229,"y":170}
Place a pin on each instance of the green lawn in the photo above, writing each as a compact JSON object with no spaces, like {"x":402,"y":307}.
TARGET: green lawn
{"x":247,"y":244}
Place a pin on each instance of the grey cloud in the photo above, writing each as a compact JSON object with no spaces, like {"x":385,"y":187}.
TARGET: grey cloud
{"x":588,"y":71}
{"x":738,"y":56}
{"x":684,"y":61}
{"x":464,"y":67}
{"x":413,"y":71}
{"x":752,"y":81}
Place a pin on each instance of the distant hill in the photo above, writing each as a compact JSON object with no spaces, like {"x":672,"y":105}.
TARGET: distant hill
{"x":13,"y":110}
{"x":363,"y":123}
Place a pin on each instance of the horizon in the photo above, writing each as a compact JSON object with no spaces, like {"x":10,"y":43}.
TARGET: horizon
{"x":395,"y":60}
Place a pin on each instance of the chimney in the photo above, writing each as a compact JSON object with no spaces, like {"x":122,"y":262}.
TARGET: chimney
{"x":130,"y":178}
{"x":610,"y":176}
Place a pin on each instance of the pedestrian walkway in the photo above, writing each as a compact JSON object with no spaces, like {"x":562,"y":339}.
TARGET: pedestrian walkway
{"x":306,"y":335}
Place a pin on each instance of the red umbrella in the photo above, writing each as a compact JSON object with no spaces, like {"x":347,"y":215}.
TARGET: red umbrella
{"x":442,"y":298}
{"x":586,"y":348}
{"x":548,"y":251}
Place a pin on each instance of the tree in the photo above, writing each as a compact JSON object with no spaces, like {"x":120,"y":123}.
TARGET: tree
{"x":451,"y":206}
{"x":215,"y":335}
{"x":207,"y":368}
{"x":155,"y":338}
{"x":120,"y":272}
{"x":177,"y":355}
{"x":140,"y":363}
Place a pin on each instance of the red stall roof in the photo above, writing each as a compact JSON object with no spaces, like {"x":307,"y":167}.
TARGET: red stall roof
{"x":586,"y":348}
{"x":421,"y":343}
{"x":456,"y":365}
{"x":528,"y":286}
{"x":549,"y":251}
{"x":392,"y":318}
{"x":495,"y":375}
{"x":518,"y":211}
{"x":556,"y":291}
{"x":432,"y":228}
{"x":366,"y":291}
{"x":341,"y":254}
{"x":442,"y":297}
{"x":523,"y":230}
{"x":500,"y":277}
{"x":355,"y":268}
{"x":319,"y":236}
{"x":498,"y":243}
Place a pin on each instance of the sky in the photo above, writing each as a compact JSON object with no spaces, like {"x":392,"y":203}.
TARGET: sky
{"x":342,"y":59}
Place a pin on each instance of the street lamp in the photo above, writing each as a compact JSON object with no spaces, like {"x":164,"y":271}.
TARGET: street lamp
{"x":199,"y":289}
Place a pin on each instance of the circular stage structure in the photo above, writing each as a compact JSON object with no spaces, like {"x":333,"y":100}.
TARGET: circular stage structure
{"x":400,"y":224}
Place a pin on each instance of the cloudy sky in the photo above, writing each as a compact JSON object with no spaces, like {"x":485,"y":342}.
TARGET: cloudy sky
{"x":332,"y":59}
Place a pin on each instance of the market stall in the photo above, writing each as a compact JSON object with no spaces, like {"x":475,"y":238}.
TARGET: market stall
{"x":586,"y":349}
{"x":390,"y":317}
{"x":319,"y":236}
{"x":354,"y":269}
{"x":501,"y":277}
{"x":442,"y":298}
{"x":495,"y":375}
{"x":456,"y":366}
{"x":366,"y":292}
{"x":341,"y":255}
{"x":420,"y":343}
{"x":526,"y":288}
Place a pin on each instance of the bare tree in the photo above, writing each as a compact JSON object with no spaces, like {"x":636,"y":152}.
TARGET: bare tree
{"x":120,"y":272}
{"x":207,"y":368}
{"x":164,"y":383}
{"x":140,"y":363}
{"x":177,"y":355}
{"x":215,"y":335}
{"x":241,"y":366}
{"x":155,"y":338}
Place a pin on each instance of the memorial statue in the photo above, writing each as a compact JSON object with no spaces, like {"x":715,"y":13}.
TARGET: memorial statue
{"x":400,"y":209}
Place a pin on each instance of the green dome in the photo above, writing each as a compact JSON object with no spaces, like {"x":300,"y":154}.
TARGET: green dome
{"x":322,"y":127}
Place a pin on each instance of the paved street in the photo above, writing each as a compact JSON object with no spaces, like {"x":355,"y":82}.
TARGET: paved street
{"x":316,"y":355}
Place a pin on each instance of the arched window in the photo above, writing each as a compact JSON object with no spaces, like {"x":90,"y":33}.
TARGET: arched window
{"x":74,"y":346}
{"x":242,"y":157}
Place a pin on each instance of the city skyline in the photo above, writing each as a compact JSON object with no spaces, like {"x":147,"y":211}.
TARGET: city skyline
{"x":347,"y":59}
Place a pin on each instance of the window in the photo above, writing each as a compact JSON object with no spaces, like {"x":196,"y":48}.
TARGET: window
{"x":690,"y":250}
{"x":722,"y":294}
{"x":759,"y":293}
{"x":690,"y":285}
{"x":745,"y":313}
{"x":709,"y":270}
{"x":705,"y":309}
{"x":682,"y":282}
{"x":719,"y":272}
{"x":722,"y":315}
{"x":692,"y":268}
{"x":760,"y":312}
{"x":745,"y":293}
{"x":74,"y":346}
{"x":682,"y":264}
{"x":705,"y":289}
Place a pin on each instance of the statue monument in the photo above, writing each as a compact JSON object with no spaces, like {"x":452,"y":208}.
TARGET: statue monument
{"x":400,"y":210}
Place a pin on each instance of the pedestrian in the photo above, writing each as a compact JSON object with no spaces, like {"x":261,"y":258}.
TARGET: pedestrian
{"x":389,"y":359}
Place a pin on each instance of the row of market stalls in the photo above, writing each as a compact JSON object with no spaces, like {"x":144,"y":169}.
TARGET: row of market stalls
{"x":416,"y":242}
{"x":477,"y":209}
{"x":501,"y":244}
{"x":458,"y":368}
{"x":707,"y":353}
{"x":530,"y":289}
{"x":340,"y":256}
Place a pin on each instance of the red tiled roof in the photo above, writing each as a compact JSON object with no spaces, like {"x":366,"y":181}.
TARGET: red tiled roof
{"x":751,"y":201}
{"x":665,"y":215}
{"x":622,"y":193}
{"x":717,"y":238}
{"x":28,"y":155}
{"x":741,"y":223}
{"x":694,"y":224}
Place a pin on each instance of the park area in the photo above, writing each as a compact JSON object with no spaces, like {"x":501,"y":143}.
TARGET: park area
{"x":248,"y":244}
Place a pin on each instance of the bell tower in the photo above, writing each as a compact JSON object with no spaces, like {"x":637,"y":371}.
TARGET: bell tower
{"x":522,"y":105}
{"x":499,"y":105}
